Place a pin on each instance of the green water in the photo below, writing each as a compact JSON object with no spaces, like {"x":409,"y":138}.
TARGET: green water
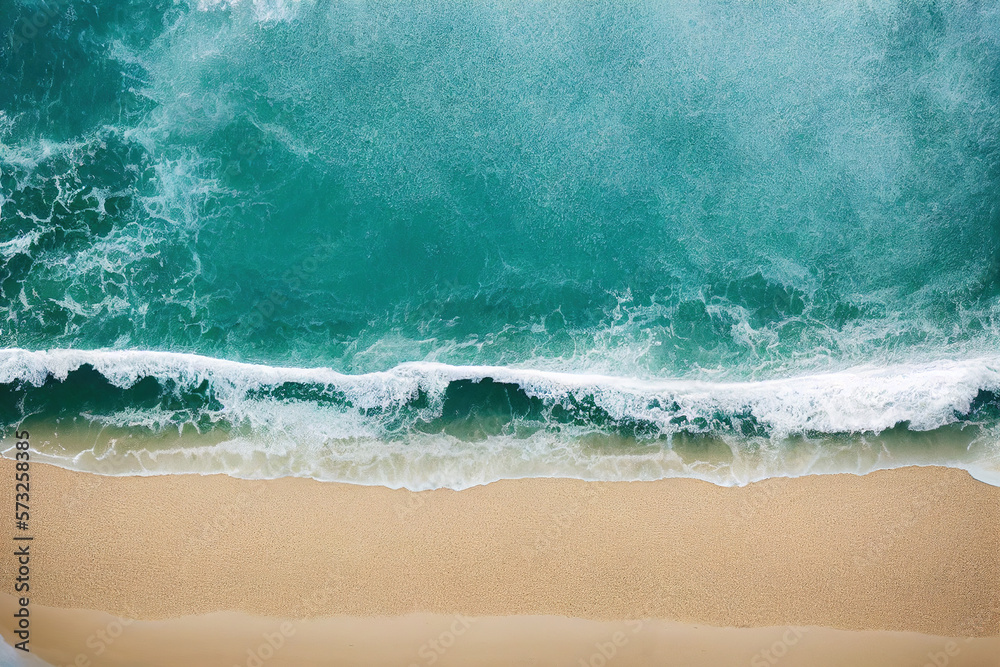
{"x":649,"y":188}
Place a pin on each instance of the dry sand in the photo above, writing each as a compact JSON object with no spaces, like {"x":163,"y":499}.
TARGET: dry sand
{"x":914,"y":550}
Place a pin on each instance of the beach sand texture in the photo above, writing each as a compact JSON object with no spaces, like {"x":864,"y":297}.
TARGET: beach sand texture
{"x":913,"y":550}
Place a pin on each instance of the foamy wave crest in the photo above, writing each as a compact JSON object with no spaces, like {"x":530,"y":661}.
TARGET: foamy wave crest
{"x":426,"y":424}
{"x":924,"y":396}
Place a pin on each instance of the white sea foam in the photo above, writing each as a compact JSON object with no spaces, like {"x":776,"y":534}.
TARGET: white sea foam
{"x":19,"y":244}
{"x":866,"y":399}
{"x":343,"y":442}
{"x":265,"y":11}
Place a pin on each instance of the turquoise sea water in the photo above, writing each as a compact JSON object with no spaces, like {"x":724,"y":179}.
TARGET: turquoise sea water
{"x":768,"y":235}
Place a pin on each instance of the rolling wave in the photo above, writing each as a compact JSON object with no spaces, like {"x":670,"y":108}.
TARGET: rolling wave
{"x":424,"y":425}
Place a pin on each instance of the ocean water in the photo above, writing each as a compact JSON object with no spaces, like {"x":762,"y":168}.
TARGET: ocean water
{"x":440,"y":242}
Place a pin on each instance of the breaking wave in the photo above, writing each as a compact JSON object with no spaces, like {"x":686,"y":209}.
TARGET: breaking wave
{"x":425,"y":424}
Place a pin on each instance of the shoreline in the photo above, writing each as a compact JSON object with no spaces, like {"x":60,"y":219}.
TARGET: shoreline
{"x":420,"y":424}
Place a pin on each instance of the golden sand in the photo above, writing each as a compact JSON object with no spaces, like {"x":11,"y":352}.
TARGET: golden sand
{"x":914,"y":550}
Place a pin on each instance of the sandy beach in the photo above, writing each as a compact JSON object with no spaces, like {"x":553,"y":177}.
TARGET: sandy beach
{"x":572,"y":268}
{"x":908,"y":553}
